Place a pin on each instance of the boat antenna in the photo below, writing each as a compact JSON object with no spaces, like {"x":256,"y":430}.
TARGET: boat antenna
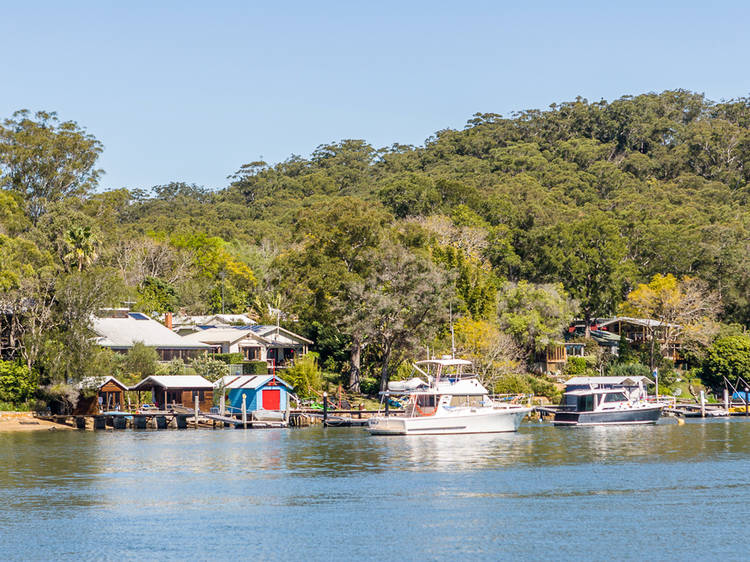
{"x":453,"y":337}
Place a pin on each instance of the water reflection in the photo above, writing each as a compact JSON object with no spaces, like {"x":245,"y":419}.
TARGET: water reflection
{"x":461,"y":496}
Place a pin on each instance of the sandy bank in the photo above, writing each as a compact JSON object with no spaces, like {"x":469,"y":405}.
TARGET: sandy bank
{"x":24,"y":421}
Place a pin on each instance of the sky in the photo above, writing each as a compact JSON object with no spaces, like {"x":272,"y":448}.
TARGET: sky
{"x":190,"y":91}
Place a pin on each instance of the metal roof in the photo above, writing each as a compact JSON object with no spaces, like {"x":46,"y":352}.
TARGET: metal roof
{"x":248,"y":381}
{"x":220,"y":335}
{"x":265,"y":329}
{"x":647,"y":322}
{"x":622,"y":381}
{"x":98,"y":382}
{"x":125,"y":332}
{"x":174,"y":381}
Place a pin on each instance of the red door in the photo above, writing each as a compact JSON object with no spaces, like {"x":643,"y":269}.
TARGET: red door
{"x":271,"y":399}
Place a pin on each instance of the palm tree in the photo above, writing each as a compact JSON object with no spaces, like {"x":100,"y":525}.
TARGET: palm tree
{"x":82,"y":243}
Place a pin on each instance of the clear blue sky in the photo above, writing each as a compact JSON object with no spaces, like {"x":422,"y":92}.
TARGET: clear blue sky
{"x":189,"y":91}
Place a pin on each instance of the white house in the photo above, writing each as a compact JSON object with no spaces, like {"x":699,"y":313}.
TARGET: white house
{"x":278,"y":346}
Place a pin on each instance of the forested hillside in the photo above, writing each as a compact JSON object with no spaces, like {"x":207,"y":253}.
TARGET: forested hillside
{"x":515,"y":224}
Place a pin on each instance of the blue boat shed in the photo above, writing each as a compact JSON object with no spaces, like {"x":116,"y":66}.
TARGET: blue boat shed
{"x":262,"y":392}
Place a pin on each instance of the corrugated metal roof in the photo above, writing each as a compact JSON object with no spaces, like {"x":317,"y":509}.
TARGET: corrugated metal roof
{"x":623,"y":381}
{"x":174,"y":381}
{"x":248,"y":381}
{"x":266,"y":330}
{"x":126,"y":332}
{"x":220,"y":335}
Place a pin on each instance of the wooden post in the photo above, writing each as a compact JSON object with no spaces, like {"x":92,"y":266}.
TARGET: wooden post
{"x":386,"y":397}
{"x":222,"y":402}
{"x":196,"y":410}
{"x":726,"y":400}
{"x":244,"y":411}
{"x":325,"y":408}
{"x":747,"y":411}
{"x":703,"y":404}
{"x":288,"y":407}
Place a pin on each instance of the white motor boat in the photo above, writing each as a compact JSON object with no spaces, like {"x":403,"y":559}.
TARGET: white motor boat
{"x":447,"y":398}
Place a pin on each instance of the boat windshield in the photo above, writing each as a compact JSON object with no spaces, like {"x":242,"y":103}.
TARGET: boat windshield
{"x":615,"y":397}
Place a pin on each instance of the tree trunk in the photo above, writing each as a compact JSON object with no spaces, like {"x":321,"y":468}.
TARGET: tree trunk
{"x":354,"y":364}
{"x":384,"y":370}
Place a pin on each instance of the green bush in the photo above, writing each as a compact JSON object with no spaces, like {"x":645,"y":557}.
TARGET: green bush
{"x":305,"y":376}
{"x":141,"y":360}
{"x":369,"y":386}
{"x":575,"y":366}
{"x":629,"y":370}
{"x":255,"y":368}
{"x":17,"y":382}
{"x":727,"y":357}
{"x":229,"y":358}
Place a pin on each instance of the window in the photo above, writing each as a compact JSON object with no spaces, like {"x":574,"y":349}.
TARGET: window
{"x":615,"y":397}
{"x":251,"y":353}
{"x":464,"y":400}
{"x":586,"y":403}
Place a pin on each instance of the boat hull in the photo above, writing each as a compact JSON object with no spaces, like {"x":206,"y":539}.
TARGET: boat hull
{"x":492,"y":421}
{"x":612,"y":417}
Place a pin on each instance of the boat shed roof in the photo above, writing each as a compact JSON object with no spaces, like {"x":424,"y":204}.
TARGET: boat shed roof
{"x":611,"y":381}
{"x":174,"y":381}
{"x":248,"y":381}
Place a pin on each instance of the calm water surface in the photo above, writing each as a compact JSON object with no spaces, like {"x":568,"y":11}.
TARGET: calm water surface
{"x":661,"y":492}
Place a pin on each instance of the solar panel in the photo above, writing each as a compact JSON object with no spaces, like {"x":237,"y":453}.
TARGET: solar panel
{"x":138,"y":316}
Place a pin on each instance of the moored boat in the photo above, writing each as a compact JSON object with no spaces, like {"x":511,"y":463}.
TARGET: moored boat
{"x":446,"y":399}
{"x":605,"y":407}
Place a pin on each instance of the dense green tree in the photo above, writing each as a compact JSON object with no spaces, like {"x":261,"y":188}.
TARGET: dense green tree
{"x":729,"y":358}
{"x":46,"y":160}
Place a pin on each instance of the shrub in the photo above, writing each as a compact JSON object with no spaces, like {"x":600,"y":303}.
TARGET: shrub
{"x":209,"y":368}
{"x":629,"y":370}
{"x":17,"y":382}
{"x":229,"y":358}
{"x":575,"y":366}
{"x":369,"y":386}
{"x":727,"y":357}
{"x":141,"y":360}
{"x":305,"y":376}
{"x":255,"y":368}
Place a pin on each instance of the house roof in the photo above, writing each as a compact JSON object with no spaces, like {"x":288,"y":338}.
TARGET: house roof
{"x":98,"y":382}
{"x":267,"y":331}
{"x":214,"y":320}
{"x":124,"y":332}
{"x":228,"y":335}
{"x":174,"y":381}
{"x":248,"y":381}
{"x":621,"y":381}
{"x":232,"y":334}
{"x":647,"y":322}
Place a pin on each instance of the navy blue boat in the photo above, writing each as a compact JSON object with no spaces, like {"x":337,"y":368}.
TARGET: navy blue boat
{"x":605,"y":406}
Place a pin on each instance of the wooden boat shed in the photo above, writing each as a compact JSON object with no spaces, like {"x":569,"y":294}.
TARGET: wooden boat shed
{"x":177,"y":390}
{"x":261,"y":392}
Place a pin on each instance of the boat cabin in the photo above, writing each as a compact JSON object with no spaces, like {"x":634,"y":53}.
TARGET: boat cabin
{"x":595,"y":400}
{"x":634,"y":387}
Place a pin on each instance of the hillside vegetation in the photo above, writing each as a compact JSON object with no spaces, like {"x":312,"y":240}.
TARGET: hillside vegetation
{"x":515,"y":225}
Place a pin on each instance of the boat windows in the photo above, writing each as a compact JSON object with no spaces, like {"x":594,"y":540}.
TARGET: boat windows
{"x":615,"y":397}
{"x":465,"y":400}
{"x":586,"y":403}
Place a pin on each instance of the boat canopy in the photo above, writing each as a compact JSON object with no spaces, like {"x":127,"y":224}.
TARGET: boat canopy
{"x":408,"y":385}
{"x":444,"y":362}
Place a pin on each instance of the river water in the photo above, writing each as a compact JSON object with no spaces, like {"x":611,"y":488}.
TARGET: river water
{"x":660,"y":492}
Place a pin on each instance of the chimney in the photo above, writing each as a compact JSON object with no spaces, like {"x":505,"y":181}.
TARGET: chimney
{"x":168,"y":320}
